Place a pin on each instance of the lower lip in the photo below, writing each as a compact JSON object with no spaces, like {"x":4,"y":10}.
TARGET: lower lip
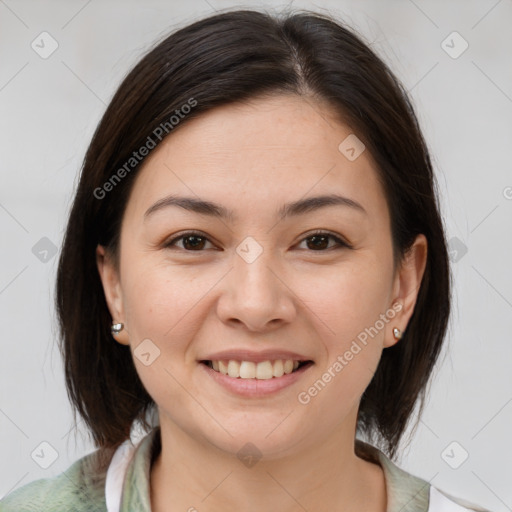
{"x":256,"y":387}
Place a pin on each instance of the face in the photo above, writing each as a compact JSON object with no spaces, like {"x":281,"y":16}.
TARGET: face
{"x":315,"y":285}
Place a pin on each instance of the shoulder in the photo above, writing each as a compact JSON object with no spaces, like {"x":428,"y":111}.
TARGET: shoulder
{"x":79,"y":488}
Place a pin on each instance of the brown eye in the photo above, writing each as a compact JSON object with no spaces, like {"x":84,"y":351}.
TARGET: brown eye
{"x":320,"y":241}
{"x":192,"y":242}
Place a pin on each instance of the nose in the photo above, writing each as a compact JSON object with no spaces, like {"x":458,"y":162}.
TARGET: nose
{"x":257,"y":295}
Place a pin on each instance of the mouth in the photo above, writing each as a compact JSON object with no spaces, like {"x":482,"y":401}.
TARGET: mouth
{"x":264,"y":370}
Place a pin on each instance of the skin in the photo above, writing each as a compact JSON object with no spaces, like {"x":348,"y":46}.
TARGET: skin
{"x":253,"y":157}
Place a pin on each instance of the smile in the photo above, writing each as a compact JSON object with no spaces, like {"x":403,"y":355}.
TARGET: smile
{"x":250,"y":379}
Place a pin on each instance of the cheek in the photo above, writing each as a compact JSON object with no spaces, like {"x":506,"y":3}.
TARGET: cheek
{"x":162,"y":311}
{"x":346,"y":299}
{"x":352,"y":305}
{"x":158,"y":295}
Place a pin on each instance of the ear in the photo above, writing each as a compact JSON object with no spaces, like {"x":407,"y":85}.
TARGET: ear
{"x":112,"y":289}
{"x":406,"y":286}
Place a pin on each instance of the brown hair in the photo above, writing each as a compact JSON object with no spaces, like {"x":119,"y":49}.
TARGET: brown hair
{"x":229,"y":57}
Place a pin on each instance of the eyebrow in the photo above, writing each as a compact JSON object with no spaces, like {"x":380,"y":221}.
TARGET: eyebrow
{"x":295,"y":208}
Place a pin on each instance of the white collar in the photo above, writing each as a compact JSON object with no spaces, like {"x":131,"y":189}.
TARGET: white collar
{"x":116,"y":473}
{"x":440,"y":502}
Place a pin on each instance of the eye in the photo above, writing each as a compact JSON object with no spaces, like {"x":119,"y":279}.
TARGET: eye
{"x":319,"y":241}
{"x":194,"y":241}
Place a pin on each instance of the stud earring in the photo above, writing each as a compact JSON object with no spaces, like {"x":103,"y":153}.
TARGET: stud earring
{"x":116,"y":328}
{"x":397,"y":333}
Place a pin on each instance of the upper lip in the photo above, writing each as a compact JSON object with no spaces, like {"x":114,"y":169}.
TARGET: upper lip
{"x":256,"y":357}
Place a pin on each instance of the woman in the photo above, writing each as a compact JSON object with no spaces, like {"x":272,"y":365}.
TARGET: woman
{"x":255,"y":253}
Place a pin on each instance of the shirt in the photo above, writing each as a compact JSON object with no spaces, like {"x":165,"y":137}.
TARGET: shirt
{"x":125,"y":485}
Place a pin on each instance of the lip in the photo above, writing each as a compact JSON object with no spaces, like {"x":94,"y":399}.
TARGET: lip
{"x":255,"y":388}
{"x":255,"y":357}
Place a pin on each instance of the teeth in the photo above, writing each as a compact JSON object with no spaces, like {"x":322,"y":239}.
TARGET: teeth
{"x":264,"y":370}
{"x":250,"y":370}
{"x":289,"y":366}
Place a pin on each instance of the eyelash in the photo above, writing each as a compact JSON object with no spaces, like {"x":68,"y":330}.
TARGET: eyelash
{"x":340,"y":243}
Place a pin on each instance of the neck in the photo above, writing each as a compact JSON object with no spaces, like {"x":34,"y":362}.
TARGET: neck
{"x":192,"y":475}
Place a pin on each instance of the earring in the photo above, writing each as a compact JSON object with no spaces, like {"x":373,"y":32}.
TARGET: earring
{"x":397,"y":333}
{"x":116,"y":328}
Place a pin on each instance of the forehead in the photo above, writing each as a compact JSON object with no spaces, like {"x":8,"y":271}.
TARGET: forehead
{"x":257,"y":152}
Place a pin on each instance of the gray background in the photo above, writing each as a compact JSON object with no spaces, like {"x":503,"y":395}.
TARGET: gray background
{"x":50,"y":106}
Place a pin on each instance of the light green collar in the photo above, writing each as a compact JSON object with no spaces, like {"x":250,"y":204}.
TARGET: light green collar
{"x":405,"y":492}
